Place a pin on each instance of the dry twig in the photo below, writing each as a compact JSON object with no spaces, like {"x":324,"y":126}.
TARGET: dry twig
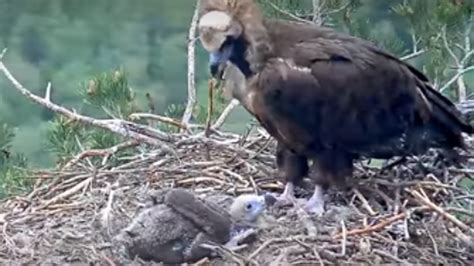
{"x":424,"y":200}
{"x":210,"y":106}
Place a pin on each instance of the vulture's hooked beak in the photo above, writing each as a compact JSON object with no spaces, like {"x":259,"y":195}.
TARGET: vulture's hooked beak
{"x":218,"y":61}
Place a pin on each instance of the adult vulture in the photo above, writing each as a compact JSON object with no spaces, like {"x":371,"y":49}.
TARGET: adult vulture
{"x":323,"y":95}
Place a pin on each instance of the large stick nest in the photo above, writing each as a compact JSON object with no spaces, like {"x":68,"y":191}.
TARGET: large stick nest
{"x":418,"y":211}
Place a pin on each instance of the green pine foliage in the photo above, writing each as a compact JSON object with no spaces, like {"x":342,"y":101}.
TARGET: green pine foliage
{"x":398,"y":26}
{"x":111,"y":93}
{"x":110,"y":96}
{"x":63,"y":138}
{"x":57,"y":42}
{"x":426,"y":20}
{"x":13,"y":174}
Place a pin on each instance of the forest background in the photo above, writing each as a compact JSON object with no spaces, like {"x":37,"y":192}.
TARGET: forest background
{"x":71,"y":42}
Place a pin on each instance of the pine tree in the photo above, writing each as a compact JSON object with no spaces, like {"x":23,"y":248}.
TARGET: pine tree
{"x":435,"y":36}
{"x":108,"y":95}
{"x":13,"y":175}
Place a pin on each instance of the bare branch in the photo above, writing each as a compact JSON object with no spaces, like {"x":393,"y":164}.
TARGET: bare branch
{"x":124,"y":128}
{"x":4,"y":51}
{"x":413,"y":55}
{"x":159,"y":118}
{"x":428,"y":203}
{"x":210,"y":106}
{"x":460,"y":63}
{"x":448,"y":48}
{"x":317,"y":12}
{"x":47,"y":95}
{"x":415,"y":41}
{"x":456,"y":77}
{"x":289,"y":14}
{"x":227,"y":111}
{"x":462,"y":89}
{"x":346,"y":5}
{"x":467,"y":33}
{"x":106,"y":153}
{"x":191,"y":67}
{"x":467,"y":57}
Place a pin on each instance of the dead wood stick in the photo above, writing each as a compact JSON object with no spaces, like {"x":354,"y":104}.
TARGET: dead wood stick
{"x":427,"y":202}
{"x":124,"y":128}
{"x":296,"y":239}
{"x":374,"y":228}
{"x":100,"y":152}
{"x":225,"y":252}
{"x":210,"y":106}
{"x":364,"y":201}
{"x":67,"y":193}
{"x":227,"y":111}
{"x":159,"y":118}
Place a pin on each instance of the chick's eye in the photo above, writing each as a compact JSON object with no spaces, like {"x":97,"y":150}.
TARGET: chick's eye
{"x":248,"y":206}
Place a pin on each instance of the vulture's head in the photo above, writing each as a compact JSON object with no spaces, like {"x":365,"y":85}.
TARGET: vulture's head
{"x":221,"y":36}
{"x":232,"y":31}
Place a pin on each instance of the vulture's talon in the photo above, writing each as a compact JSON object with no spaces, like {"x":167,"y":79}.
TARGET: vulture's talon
{"x":314,"y":207}
{"x":285,"y":200}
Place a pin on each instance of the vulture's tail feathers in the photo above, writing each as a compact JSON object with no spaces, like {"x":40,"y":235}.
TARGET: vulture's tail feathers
{"x":448,"y":120}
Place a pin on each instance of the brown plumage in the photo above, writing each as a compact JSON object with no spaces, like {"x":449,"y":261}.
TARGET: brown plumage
{"x":324,"y":95}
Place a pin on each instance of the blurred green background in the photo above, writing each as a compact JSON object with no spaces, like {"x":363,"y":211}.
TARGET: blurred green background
{"x":69,"y":41}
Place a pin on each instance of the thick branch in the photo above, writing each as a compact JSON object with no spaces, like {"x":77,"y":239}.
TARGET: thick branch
{"x":191,"y":67}
{"x":227,"y":111}
{"x":448,"y":48}
{"x":125,"y":128}
{"x":460,"y":63}
{"x":159,"y":118}
{"x":427,"y":202}
{"x":317,"y":12}
{"x":456,"y":77}
{"x":412,"y":55}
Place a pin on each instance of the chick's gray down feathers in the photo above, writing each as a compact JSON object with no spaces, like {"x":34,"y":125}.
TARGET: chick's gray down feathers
{"x":172,"y":230}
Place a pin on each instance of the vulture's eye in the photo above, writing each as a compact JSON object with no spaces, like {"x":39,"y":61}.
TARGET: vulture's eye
{"x":228,"y":41}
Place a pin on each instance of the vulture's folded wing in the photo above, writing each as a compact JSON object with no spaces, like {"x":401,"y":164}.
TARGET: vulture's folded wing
{"x":346,"y":96}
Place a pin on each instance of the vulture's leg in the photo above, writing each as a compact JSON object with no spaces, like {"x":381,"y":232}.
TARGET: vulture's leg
{"x":315,"y":205}
{"x":329,"y":169}
{"x":288,"y":195}
{"x":293,"y":167}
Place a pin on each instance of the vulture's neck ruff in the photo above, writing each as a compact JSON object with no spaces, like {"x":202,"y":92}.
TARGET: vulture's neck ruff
{"x":238,"y":57}
{"x":232,"y":50}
